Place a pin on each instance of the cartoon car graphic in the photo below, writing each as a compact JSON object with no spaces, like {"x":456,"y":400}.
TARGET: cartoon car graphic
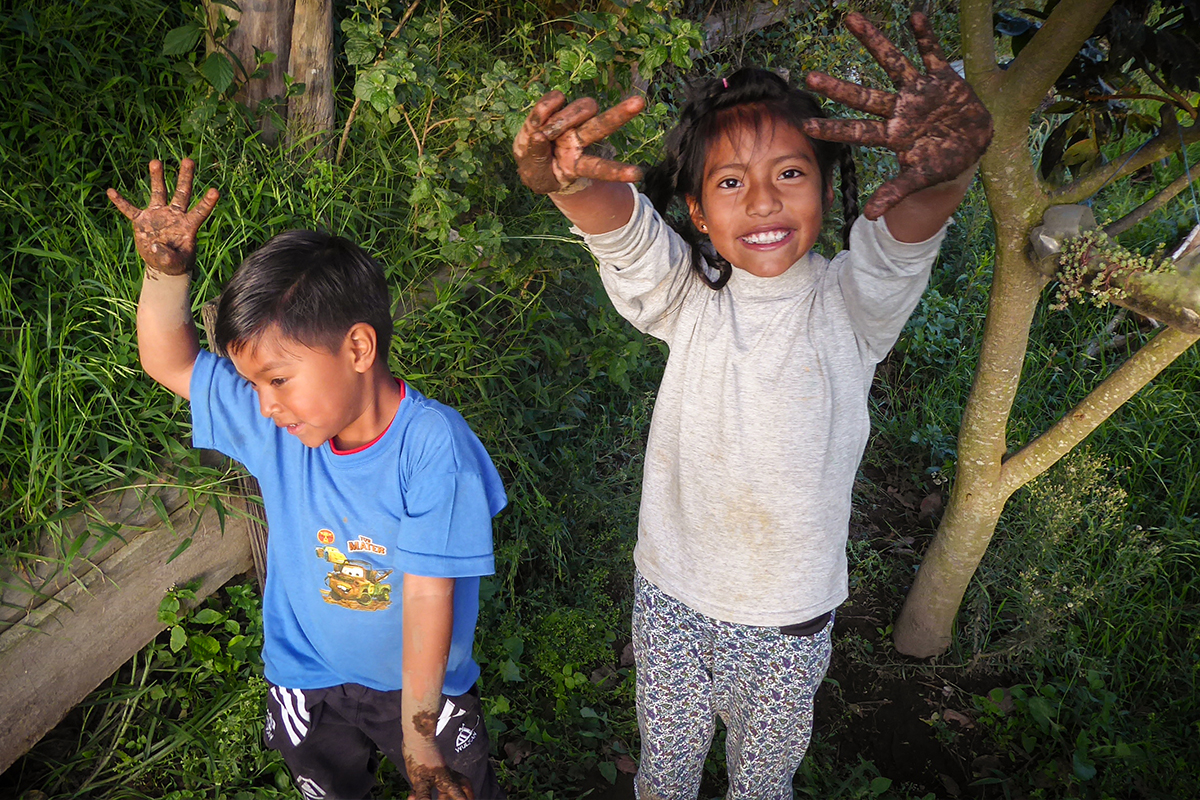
{"x":352,"y":581}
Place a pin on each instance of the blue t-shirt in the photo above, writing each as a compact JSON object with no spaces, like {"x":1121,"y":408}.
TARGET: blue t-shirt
{"x":344,"y":528}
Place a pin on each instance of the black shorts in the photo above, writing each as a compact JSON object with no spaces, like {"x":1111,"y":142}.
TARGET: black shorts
{"x":331,"y":739}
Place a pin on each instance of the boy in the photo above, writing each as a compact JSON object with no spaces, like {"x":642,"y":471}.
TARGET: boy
{"x":355,"y":466}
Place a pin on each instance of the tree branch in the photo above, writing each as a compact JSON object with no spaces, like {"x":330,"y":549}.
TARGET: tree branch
{"x":1092,"y":264}
{"x":978,"y":40}
{"x":1150,"y":206}
{"x":1142,"y":367}
{"x":1168,"y":141}
{"x":1034,"y":71}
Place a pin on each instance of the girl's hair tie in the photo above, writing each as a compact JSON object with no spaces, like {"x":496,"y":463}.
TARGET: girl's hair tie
{"x":725,"y":82}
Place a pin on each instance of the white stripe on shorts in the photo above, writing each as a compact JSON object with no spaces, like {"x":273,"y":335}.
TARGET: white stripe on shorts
{"x":295,"y":714}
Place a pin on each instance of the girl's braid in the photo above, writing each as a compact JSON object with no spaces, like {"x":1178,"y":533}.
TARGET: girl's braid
{"x":849,"y":177}
{"x":661,"y":184}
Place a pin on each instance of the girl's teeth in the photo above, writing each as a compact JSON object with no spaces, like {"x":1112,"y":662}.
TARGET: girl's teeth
{"x":766,"y":237}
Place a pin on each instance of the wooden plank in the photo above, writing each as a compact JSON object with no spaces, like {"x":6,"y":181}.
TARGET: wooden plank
{"x":64,"y":649}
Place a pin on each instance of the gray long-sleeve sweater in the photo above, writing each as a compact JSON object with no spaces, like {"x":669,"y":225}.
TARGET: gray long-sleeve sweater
{"x":761,"y":418}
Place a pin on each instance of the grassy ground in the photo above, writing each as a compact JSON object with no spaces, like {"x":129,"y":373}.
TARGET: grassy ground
{"x":1073,"y":671}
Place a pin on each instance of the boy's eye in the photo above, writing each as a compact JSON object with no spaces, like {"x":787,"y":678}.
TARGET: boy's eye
{"x":277,"y":382}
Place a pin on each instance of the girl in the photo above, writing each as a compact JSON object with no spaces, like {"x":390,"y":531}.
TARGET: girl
{"x":761,"y":418}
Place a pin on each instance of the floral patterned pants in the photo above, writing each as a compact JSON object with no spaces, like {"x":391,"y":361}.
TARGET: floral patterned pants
{"x":690,"y":668}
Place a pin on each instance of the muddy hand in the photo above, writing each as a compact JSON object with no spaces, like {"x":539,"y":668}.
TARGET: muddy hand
{"x":934,"y":121}
{"x":449,"y":784}
{"x":165,"y":233}
{"x":550,"y":146}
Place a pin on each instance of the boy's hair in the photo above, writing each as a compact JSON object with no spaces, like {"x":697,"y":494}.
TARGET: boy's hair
{"x":750,"y":97}
{"x":312,"y":286}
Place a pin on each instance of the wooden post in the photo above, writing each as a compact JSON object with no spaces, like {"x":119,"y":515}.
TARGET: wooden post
{"x":312,"y":63}
{"x":267,"y":25}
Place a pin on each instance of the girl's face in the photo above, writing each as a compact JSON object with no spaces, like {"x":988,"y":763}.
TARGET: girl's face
{"x":762,"y":197}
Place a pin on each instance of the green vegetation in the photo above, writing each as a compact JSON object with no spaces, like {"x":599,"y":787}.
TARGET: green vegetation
{"x":1075,"y":654}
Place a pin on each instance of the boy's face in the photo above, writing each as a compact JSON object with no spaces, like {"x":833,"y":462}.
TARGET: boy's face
{"x":315,"y":393}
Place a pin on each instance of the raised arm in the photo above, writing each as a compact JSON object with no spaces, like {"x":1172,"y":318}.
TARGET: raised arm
{"x":428,"y":626}
{"x":934,"y":122}
{"x":165,"y":236}
{"x":551,"y":159}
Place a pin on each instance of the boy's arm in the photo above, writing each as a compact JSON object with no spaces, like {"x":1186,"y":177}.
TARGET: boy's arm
{"x":428,"y":625}
{"x":551,"y":159}
{"x":165,"y":236}
{"x":935,"y":123}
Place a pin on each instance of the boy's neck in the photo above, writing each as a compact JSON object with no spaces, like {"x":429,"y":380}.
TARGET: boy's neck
{"x":380,"y":402}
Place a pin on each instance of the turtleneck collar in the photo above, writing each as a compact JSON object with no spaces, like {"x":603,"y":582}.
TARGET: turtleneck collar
{"x":797,"y":279}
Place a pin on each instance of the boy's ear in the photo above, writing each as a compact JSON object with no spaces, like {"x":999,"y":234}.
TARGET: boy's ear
{"x":697,"y":214}
{"x":362,"y":346}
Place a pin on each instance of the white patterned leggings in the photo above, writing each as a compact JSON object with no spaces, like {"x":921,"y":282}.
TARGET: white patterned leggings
{"x":690,"y":668}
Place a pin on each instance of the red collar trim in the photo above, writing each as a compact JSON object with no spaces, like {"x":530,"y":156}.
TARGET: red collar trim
{"x":359,"y":449}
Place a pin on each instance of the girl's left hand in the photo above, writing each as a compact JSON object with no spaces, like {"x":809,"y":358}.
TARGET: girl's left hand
{"x":935,"y":123}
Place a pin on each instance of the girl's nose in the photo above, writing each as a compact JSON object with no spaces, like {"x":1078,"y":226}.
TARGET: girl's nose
{"x":761,"y":199}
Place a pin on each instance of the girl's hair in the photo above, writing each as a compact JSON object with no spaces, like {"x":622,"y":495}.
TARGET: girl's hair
{"x":747,"y":97}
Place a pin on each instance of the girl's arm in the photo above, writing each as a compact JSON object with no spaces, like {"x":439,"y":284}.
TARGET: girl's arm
{"x":165,"y":236}
{"x":551,"y":159}
{"x":935,"y":123}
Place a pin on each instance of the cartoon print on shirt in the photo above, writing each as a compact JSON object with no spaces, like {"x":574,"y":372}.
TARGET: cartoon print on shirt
{"x":353,"y":583}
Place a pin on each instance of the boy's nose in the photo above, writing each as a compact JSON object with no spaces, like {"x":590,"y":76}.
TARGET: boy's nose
{"x":267,"y":404}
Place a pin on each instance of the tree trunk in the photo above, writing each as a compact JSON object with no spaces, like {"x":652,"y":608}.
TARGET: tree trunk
{"x":983,"y":482}
{"x":312,"y":64}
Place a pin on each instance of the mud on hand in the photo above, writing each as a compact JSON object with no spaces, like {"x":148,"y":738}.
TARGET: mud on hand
{"x":934,"y":121}
{"x":165,"y":233}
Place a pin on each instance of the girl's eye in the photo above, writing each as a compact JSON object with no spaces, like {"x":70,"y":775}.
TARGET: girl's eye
{"x":729,"y":183}
{"x":792,"y":173}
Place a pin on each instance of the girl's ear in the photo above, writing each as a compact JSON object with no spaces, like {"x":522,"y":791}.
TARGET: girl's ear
{"x":696,"y":213}
{"x":828,"y":196}
{"x":361,"y":346}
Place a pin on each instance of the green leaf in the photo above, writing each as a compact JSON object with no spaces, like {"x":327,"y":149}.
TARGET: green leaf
{"x":609,"y":770}
{"x":1039,"y":707}
{"x":181,"y":40}
{"x":654,"y":58}
{"x":361,"y":48}
{"x":208,"y":616}
{"x":203,"y":646}
{"x":168,"y":610}
{"x":184,"y":545}
{"x":679,"y":54}
{"x":588,"y":713}
{"x":880,"y":785}
{"x":1084,"y":769}
{"x":178,"y":639}
{"x":217,"y":70}
{"x":510,"y":672}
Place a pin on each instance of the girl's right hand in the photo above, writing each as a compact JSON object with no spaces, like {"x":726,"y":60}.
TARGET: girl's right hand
{"x":549,"y":148}
{"x":165,"y":234}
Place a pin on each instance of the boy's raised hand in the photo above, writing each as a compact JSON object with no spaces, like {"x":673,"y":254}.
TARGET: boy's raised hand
{"x":165,"y":233}
{"x":934,"y":122}
{"x":549,"y":148}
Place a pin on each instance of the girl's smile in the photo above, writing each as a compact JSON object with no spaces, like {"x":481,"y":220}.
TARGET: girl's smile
{"x":763,"y":197}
